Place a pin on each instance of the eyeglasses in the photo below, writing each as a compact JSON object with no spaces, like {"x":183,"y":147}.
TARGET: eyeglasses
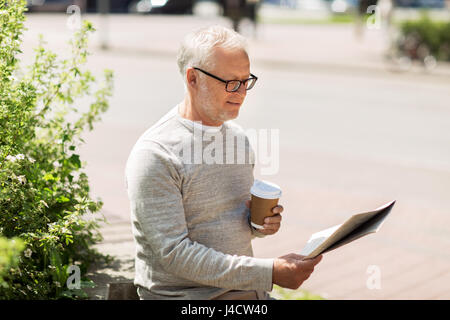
{"x":233,"y":85}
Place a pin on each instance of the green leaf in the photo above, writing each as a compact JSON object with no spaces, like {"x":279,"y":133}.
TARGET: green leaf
{"x":75,"y":161}
{"x":48,"y":177}
{"x":62,"y":199}
{"x":87,"y":284}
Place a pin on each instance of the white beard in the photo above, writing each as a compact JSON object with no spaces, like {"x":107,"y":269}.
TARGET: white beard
{"x":209,"y":106}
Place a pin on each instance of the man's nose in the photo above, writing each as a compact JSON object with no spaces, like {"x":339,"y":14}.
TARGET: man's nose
{"x":242,"y":90}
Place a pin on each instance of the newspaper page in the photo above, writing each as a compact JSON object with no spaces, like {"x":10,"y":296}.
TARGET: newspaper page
{"x":355,"y":227}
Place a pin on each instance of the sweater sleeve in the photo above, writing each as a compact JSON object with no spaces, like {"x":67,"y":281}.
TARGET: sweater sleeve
{"x":154,"y":187}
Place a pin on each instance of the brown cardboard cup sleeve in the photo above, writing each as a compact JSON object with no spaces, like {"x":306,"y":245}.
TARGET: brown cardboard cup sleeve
{"x":265,"y":196}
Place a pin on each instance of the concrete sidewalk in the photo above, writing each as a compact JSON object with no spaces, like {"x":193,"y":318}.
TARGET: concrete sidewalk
{"x":119,"y":244}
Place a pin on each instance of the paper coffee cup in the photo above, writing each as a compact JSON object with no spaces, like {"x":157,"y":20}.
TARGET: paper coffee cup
{"x":265,"y":197}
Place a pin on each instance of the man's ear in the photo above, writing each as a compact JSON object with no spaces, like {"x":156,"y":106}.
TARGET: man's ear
{"x":191,"y":78}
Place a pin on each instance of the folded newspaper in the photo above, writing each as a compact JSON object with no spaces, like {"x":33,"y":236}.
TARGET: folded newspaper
{"x":357,"y":226}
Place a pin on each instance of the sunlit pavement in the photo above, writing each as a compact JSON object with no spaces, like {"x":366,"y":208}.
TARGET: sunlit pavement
{"x":352,"y":136}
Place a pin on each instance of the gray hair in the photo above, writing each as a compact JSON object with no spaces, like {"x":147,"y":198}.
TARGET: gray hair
{"x":197,"y":46}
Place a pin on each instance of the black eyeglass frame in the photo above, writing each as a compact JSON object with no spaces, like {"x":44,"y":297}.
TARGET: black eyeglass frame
{"x":241,"y":82}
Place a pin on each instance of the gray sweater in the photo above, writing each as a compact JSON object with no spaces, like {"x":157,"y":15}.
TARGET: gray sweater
{"x":189,"y":219}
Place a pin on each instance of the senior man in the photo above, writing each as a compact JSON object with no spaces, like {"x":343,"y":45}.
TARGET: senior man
{"x":190,"y":216}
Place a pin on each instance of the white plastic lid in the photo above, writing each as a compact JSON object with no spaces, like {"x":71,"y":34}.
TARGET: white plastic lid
{"x":265,"y":189}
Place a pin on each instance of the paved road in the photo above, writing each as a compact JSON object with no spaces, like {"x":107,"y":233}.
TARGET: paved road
{"x":352,"y":137}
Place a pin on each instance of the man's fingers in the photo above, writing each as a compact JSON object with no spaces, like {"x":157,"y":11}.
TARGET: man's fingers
{"x":313,"y":261}
{"x":317,"y":259}
{"x":278,"y":209}
{"x":267,"y":232}
{"x":247,"y":203}
{"x":271,"y":227}
{"x":273,"y":219}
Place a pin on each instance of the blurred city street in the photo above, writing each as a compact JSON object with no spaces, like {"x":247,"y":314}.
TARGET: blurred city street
{"x":353,"y":136}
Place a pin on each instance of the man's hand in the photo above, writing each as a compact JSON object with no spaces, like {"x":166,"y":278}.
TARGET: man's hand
{"x":290,"y":271}
{"x":271,"y":224}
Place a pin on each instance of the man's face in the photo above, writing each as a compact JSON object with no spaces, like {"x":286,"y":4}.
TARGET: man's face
{"x":216,"y":104}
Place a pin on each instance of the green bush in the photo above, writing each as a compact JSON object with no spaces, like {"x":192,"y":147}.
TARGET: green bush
{"x":44,"y":195}
{"x":10,"y":250}
{"x":434,"y":34}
